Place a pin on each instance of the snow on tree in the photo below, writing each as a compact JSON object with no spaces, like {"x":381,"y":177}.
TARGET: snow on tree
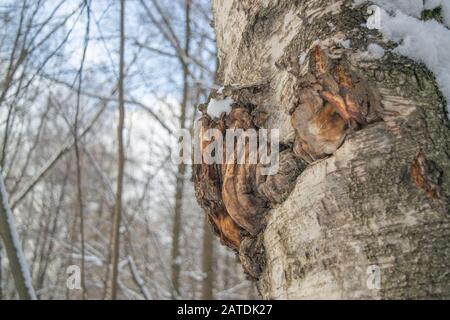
{"x":426,"y":42}
{"x":13,"y":247}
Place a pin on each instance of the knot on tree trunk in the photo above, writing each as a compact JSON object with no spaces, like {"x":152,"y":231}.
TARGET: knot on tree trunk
{"x":426,"y":175}
{"x":332,"y":101}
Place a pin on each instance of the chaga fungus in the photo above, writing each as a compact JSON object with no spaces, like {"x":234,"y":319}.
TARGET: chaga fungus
{"x":236,"y":195}
{"x":208,"y":188}
{"x":332,"y":101}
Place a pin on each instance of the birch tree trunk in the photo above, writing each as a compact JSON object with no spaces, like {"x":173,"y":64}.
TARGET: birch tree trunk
{"x":8,"y":233}
{"x":207,"y":263}
{"x":372,"y":219}
{"x":115,"y":248}
{"x":181,"y":170}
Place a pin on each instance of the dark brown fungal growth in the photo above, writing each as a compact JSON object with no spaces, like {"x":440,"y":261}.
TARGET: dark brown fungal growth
{"x":425,"y":175}
{"x":277,"y":187}
{"x":239,"y":189}
{"x":236,"y":194}
{"x":332,"y":101}
{"x":229,"y":232}
{"x":208,"y":181}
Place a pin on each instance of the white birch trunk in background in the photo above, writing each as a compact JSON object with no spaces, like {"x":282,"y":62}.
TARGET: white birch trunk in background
{"x":16,"y":258}
{"x":364,"y":222}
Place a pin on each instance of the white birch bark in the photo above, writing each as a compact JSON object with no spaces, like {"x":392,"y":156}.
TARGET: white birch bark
{"x":360,"y":213}
{"x":18,"y":264}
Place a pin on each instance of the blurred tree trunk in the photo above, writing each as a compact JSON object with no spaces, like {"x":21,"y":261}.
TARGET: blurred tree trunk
{"x":372,"y":220}
{"x":46,"y":251}
{"x":8,"y":233}
{"x":181,"y":171}
{"x":1,"y":274}
{"x":121,"y":159}
{"x":207,"y":262}
{"x":176,"y":231}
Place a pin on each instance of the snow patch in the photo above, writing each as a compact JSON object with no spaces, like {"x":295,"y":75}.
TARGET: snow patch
{"x":347,"y":44}
{"x":217,"y":107}
{"x":96,"y":261}
{"x":409,"y":7}
{"x":427,"y":42}
{"x":376,"y":50}
{"x":412,"y":8}
{"x":445,"y":8}
{"x":302,"y":58}
{"x":423,"y":41}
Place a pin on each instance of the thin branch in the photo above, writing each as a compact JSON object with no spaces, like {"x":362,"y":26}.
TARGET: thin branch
{"x":138,"y":279}
{"x":121,"y":158}
{"x":56,"y":157}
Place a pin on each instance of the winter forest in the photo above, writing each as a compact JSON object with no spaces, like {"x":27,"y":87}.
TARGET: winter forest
{"x":93,"y":94}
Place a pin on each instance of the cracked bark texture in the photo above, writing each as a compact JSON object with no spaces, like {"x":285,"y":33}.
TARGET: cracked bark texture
{"x":382,"y":197}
